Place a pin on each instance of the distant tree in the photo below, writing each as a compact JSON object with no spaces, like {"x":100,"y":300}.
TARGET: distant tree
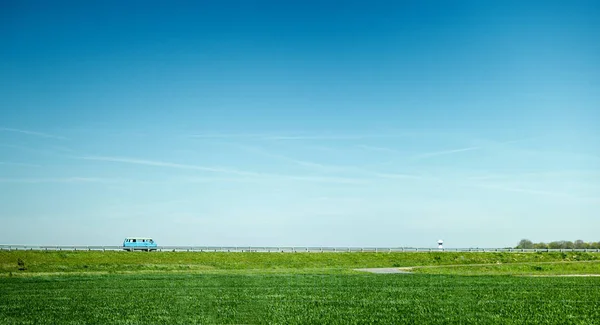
{"x":555,"y":245}
{"x":559,"y":244}
{"x":525,"y":244}
{"x":580,"y":244}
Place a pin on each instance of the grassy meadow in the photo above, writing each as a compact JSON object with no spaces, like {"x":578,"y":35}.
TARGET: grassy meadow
{"x":42,"y":262}
{"x":297,"y":288}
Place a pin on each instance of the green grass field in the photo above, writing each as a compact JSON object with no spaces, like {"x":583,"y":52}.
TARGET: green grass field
{"x":532,"y":269}
{"x":298,"y":299}
{"x":296,"y":288}
{"x":39,"y":262}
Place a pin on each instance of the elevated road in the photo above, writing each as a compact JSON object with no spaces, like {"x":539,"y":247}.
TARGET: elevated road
{"x":287,"y":249}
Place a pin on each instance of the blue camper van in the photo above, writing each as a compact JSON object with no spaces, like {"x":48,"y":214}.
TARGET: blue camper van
{"x":139,"y":243}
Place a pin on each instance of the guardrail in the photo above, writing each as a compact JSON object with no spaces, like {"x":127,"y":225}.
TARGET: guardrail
{"x":287,"y":249}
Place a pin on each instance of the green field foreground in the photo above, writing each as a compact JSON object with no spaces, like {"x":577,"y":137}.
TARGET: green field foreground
{"x":298,"y":299}
{"x":297,"y":288}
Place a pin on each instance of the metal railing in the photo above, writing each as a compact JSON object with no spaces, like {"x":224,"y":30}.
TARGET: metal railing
{"x":287,"y":249}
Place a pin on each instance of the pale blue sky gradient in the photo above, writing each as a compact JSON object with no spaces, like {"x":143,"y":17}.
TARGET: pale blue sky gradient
{"x":337,"y":123}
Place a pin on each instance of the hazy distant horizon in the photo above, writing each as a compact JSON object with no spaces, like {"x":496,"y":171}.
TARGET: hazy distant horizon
{"x":387,"y":123}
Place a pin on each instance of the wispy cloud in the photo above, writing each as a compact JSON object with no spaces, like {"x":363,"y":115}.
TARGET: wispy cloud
{"x":61,"y":180}
{"x":226,"y":135}
{"x":521,"y":140}
{"x":321,"y":179}
{"x":400,"y":176}
{"x":561,"y":187}
{"x":63,"y":149}
{"x":273,"y":178}
{"x":215,"y":179}
{"x":293,"y":137}
{"x":324,"y":137}
{"x":526,"y":191}
{"x":545,"y":151}
{"x":156,"y":163}
{"x":248,"y":174}
{"x":378,"y":149}
{"x":319,"y":167}
{"x":563,"y":174}
{"x":299,"y":162}
{"x":50,"y":150}
{"x":325,"y":198}
{"x":483,"y":144}
{"x":323,"y":148}
{"x":443,"y":152}
{"x":6,"y":163}
{"x":32,"y":133}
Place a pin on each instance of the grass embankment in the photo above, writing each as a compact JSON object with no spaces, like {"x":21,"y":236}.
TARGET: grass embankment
{"x":297,"y":299}
{"x":93,"y":262}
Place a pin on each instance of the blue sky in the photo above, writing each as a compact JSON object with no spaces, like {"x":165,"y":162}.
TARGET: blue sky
{"x":335,"y":123}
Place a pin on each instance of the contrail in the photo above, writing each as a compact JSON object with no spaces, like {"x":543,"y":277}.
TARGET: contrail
{"x":168,"y":164}
{"x":34,"y":133}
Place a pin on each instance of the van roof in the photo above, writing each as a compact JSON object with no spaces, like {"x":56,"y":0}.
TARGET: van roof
{"x":138,"y":238}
